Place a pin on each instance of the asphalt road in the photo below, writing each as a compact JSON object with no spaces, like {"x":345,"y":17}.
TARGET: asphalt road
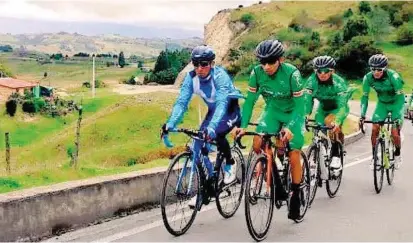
{"x":356,"y":214}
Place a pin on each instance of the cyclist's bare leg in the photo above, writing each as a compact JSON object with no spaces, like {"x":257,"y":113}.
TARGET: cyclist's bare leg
{"x":396,"y":139}
{"x":374,"y":134}
{"x":296,"y":167}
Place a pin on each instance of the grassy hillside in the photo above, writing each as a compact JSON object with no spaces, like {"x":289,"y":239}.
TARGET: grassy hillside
{"x":70,"y":44}
{"x":278,"y":20}
{"x":66,"y":74}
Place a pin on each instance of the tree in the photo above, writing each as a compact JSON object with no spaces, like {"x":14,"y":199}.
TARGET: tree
{"x":121,"y":59}
{"x":354,"y":56}
{"x":161,"y":63}
{"x":348,"y":13}
{"x":397,"y":21}
{"x":140,"y":64}
{"x":405,"y":35}
{"x":379,"y":23}
{"x":355,"y":26}
{"x":364,"y":7}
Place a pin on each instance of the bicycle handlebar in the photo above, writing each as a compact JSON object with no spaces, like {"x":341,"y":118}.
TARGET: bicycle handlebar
{"x":238,"y":138}
{"x":196,"y":134}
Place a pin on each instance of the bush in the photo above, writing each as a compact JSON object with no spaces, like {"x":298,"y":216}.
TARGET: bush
{"x":39,"y":104}
{"x":29,"y":107}
{"x":247,"y":19}
{"x":405,"y":35}
{"x":353,"y":56}
{"x":356,"y":26}
{"x":348,"y":13}
{"x":166,"y":76}
{"x":11,"y":107}
{"x":98,"y":84}
{"x":336,"y":20}
{"x":300,"y":22}
{"x":364,"y":7}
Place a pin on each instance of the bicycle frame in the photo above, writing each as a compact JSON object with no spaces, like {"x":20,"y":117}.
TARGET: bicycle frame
{"x":384,"y":136}
{"x":268,"y":144}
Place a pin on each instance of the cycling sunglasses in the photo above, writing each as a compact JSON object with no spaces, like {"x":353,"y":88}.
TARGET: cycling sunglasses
{"x":269,"y":61}
{"x":324,"y":70}
{"x":202,"y":64}
{"x":377,"y":69}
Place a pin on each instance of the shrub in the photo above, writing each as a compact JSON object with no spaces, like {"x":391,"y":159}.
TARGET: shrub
{"x":405,"y":35}
{"x":29,"y":107}
{"x":11,"y":107}
{"x":356,"y":26}
{"x":353,"y":56}
{"x":247,"y":19}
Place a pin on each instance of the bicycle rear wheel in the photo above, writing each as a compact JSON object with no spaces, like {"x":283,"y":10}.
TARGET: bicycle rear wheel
{"x":378,"y":170}
{"x":334,"y":178}
{"x":228,"y":197}
{"x":256,"y":192}
{"x":313,"y":161}
{"x":175,"y":191}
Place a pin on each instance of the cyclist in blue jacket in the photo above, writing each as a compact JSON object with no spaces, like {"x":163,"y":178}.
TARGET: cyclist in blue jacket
{"x":215,"y":87}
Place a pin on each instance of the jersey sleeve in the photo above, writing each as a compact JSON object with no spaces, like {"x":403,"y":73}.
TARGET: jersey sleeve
{"x":365,"y":96}
{"x":297,"y":87}
{"x":181,"y":104}
{"x":252,"y":97}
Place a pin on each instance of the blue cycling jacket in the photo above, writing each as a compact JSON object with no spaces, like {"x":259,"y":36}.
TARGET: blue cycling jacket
{"x":215,"y":90}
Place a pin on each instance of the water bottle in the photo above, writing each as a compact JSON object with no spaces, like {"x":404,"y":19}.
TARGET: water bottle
{"x":280,"y":166}
{"x":323,"y":158}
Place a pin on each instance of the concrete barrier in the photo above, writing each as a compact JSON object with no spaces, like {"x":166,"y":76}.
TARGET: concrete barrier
{"x":32,"y":214}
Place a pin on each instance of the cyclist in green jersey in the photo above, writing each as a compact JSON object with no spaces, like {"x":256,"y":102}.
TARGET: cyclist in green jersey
{"x":389,"y":88}
{"x":281,"y":86}
{"x":333,"y":94}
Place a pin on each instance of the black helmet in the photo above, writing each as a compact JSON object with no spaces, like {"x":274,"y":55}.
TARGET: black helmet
{"x":324,"y":62}
{"x":202,"y":53}
{"x":378,"y":61}
{"x":269,"y":49}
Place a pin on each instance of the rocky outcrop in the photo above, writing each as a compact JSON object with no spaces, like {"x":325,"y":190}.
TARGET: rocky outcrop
{"x":218,"y":34}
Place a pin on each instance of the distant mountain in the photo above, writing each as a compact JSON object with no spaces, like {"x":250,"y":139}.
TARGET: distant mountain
{"x":70,"y":44}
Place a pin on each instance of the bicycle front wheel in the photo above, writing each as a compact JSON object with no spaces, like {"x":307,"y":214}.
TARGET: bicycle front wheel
{"x":378,"y":170}
{"x":305,"y":188}
{"x":228,"y":197}
{"x":258,"y":192}
{"x":390,"y":171}
{"x":178,"y":188}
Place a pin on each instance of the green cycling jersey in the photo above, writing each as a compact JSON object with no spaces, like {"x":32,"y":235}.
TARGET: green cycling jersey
{"x":333,"y":96}
{"x":283,"y":96}
{"x":390,"y":95}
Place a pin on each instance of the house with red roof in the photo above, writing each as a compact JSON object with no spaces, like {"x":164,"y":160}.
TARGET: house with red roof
{"x":11,"y":85}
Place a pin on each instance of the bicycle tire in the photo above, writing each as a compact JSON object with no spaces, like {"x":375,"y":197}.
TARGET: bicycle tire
{"x":238,"y":157}
{"x":305,"y":189}
{"x":258,"y":236}
{"x":314,"y":178}
{"x":163,"y":194}
{"x":332,"y":193}
{"x":390,"y":171}
{"x":378,"y":163}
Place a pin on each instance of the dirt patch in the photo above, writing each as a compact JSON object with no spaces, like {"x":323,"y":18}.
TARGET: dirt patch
{"x":126,"y":89}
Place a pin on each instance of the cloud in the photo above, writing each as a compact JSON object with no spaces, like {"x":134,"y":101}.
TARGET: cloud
{"x":186,"y":14}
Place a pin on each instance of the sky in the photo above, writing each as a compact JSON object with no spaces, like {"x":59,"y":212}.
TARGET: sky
{"x":186,"y":17}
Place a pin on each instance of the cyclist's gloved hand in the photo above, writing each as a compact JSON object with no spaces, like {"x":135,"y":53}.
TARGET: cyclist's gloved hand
{"x":288,"y":135}
{"x":210,"y":133}
{"x":164,"y":131}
